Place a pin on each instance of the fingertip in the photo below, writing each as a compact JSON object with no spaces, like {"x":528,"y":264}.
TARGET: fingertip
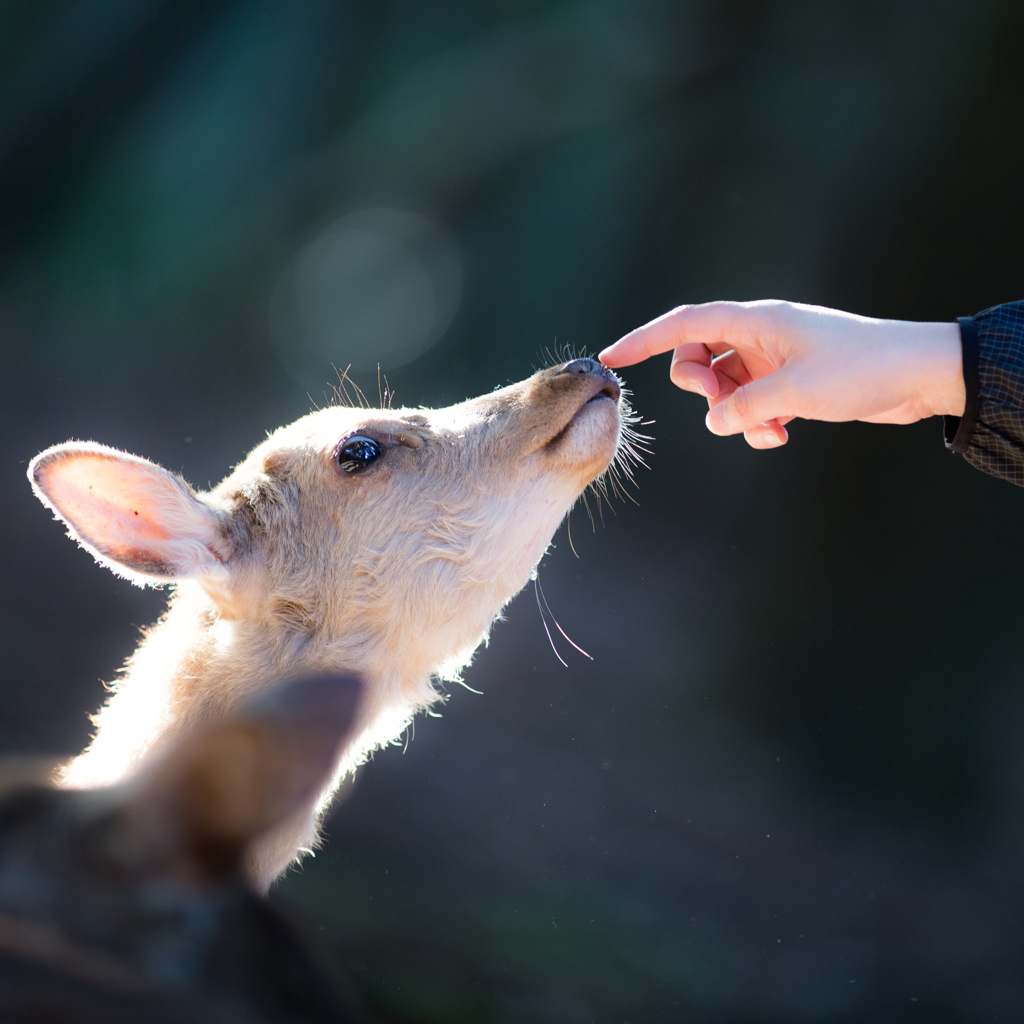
{"x":653,"y":338}
{"x":715,"y":421}
{"x":616,"y":354}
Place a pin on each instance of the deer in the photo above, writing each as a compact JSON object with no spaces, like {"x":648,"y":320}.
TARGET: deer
{"x":378,"y":541}
{"x":128,"y":902}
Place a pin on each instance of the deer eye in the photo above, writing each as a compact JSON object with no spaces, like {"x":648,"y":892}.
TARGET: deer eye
{"x":357,"y":453}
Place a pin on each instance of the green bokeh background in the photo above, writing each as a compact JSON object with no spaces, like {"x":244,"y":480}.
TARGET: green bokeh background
{"x":790,"y":785}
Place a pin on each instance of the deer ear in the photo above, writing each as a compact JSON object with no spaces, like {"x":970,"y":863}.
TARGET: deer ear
{"x":223,"y":787}
{"x":133,"y":516}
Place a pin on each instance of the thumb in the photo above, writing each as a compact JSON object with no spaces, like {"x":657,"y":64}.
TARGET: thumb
{"x":750,"y":405}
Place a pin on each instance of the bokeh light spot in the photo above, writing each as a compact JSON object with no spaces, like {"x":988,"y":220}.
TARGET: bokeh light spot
{"x":379,"y":286}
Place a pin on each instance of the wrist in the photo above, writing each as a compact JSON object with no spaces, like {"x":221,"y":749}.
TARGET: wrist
{"x":942,"y":391}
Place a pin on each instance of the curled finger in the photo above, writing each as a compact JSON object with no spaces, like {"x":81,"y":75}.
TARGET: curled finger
{"x":749,"y":406}
{"x":695,"y":377}
{"x":770,"y":434}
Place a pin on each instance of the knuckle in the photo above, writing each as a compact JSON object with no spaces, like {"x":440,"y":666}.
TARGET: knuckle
{"x":773,"y":317}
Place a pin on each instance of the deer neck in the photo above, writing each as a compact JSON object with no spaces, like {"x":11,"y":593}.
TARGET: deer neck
{"x":192,"y":665}
{"x":196,"y":664}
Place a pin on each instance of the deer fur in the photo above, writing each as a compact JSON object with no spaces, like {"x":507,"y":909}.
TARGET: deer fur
{"x":292,"y":565}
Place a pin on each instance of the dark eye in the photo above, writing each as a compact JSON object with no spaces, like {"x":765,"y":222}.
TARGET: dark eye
{"x":357,"y":453}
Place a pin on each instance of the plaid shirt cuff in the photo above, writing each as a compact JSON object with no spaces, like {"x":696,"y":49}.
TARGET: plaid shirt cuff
{"x":990,"y":434}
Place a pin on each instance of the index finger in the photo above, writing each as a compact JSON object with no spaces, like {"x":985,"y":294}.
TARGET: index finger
{"x":708,"y":324}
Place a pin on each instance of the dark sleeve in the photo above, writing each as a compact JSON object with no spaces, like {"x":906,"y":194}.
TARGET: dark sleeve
{"x":990,"y":434}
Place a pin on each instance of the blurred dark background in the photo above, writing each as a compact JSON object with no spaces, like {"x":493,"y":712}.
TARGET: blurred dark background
{"x":790,"y":787}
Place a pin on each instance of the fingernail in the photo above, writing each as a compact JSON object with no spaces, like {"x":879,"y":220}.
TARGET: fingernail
{"x":771,"y":439}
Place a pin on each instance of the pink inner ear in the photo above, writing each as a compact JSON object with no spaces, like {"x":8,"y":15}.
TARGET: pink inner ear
{"x":106,"y":498}
{"x":126,"y":508}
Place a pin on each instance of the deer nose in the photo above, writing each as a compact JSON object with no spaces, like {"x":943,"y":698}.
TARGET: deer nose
{"x":582,"y":366}
{"x":592,"y":368}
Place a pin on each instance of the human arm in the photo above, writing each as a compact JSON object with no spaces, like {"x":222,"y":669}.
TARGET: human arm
{"x":762,"y":364}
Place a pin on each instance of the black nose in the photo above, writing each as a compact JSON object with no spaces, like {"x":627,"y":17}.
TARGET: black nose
{"x":592,"y":368}
{"x":584,"y":366}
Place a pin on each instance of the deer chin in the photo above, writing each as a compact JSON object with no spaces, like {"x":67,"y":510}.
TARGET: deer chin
{"x":587,"y":444}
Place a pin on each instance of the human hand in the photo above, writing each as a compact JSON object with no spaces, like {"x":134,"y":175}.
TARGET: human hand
{"x":762,"y":364}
